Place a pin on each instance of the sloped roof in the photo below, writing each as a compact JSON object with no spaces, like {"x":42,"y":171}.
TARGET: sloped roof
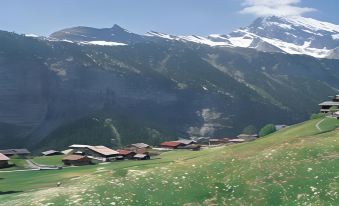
{"x":237,"y":140}
{"x":79,"y":146}
{"x":15,"y":151}
{"x":329,"y":103}
{"x":171,"y":144}
{"x":74,"y":157}
{"x":186,"y":141}
{"x":50,"y":152}
{"x":140,"y":145}
{"x":103,"y":150}
{"x":3,"y":157}
{"x":124,"y":152}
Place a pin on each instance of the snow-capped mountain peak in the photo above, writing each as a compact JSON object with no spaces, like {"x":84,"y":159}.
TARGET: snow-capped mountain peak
{"x":292,"y":35}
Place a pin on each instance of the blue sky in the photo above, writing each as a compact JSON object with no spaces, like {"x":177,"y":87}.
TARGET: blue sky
{"x":201,"y":17}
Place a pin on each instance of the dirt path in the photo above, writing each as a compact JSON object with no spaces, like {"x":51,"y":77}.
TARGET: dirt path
{"x":317,"y":125}
{"x":32,"y":165}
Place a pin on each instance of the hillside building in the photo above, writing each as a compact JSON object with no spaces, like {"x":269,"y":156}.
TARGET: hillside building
{"x":327,"y":105}
{"x":3,"y":161}
{"x":100,"y":153}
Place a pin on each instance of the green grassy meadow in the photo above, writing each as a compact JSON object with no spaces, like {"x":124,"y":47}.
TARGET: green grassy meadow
{"x":298,"y":165}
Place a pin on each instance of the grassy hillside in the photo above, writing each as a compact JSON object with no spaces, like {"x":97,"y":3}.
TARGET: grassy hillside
{"x":295,"y":166}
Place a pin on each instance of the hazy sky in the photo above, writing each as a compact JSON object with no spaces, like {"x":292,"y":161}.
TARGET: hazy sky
{"x":201,"y":17}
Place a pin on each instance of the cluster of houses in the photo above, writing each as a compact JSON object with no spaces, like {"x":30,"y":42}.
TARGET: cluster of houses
{"x":78,"y":154}
{"x":86,"y":154}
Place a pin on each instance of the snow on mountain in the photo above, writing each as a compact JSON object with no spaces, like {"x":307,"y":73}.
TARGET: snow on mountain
{"x":191,"y":38}
{"x":32,"y":35}
{"x":292,"y":35}
{"x":103,"y":43}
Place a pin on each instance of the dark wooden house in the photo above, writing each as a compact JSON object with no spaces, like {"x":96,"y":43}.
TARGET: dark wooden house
{"x":3,"y":161}
{"x":171,"y":144}
{"x":76,"y":160}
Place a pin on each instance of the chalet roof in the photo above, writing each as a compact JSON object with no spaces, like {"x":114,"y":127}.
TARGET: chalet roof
{"x":3,"y":157}
{"x":237,"y":140}
{"x":124,"y":152}
{"x":49,"y":152}
{"x":74,"y":157}
{"x":329,"y":103}
{"x":140,"y":145}
{"x":171,"y":144}
{"x":103,"y":150}
{"x":73,"y":146}
{"x":186,"y":141}
{"x":15,"y":152}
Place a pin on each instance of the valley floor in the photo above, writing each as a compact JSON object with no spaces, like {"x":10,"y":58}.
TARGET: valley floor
{"x":298,"y":165}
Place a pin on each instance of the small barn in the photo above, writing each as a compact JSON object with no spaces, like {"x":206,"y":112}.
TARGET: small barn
{"x":76,"y":160}
{"x":51,"y":153}
{"x":3,"y":161}
{"x":171,"y":144}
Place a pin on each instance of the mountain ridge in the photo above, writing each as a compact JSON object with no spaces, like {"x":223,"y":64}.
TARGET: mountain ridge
{"x":292,"y":35}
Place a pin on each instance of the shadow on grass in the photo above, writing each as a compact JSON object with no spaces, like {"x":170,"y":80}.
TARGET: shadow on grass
{"x":9,"y":192}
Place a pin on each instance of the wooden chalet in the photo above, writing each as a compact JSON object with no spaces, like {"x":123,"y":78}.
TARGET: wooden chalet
{"x":3,"y":161}
{"x":76,"y":160}
{"x":51,"y":153}
{"x":326,"y":106}
{"x":100,"y":153}
{"x":171,"y":144}
{"x":125,"y":154}
{"x":18,"y":152}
